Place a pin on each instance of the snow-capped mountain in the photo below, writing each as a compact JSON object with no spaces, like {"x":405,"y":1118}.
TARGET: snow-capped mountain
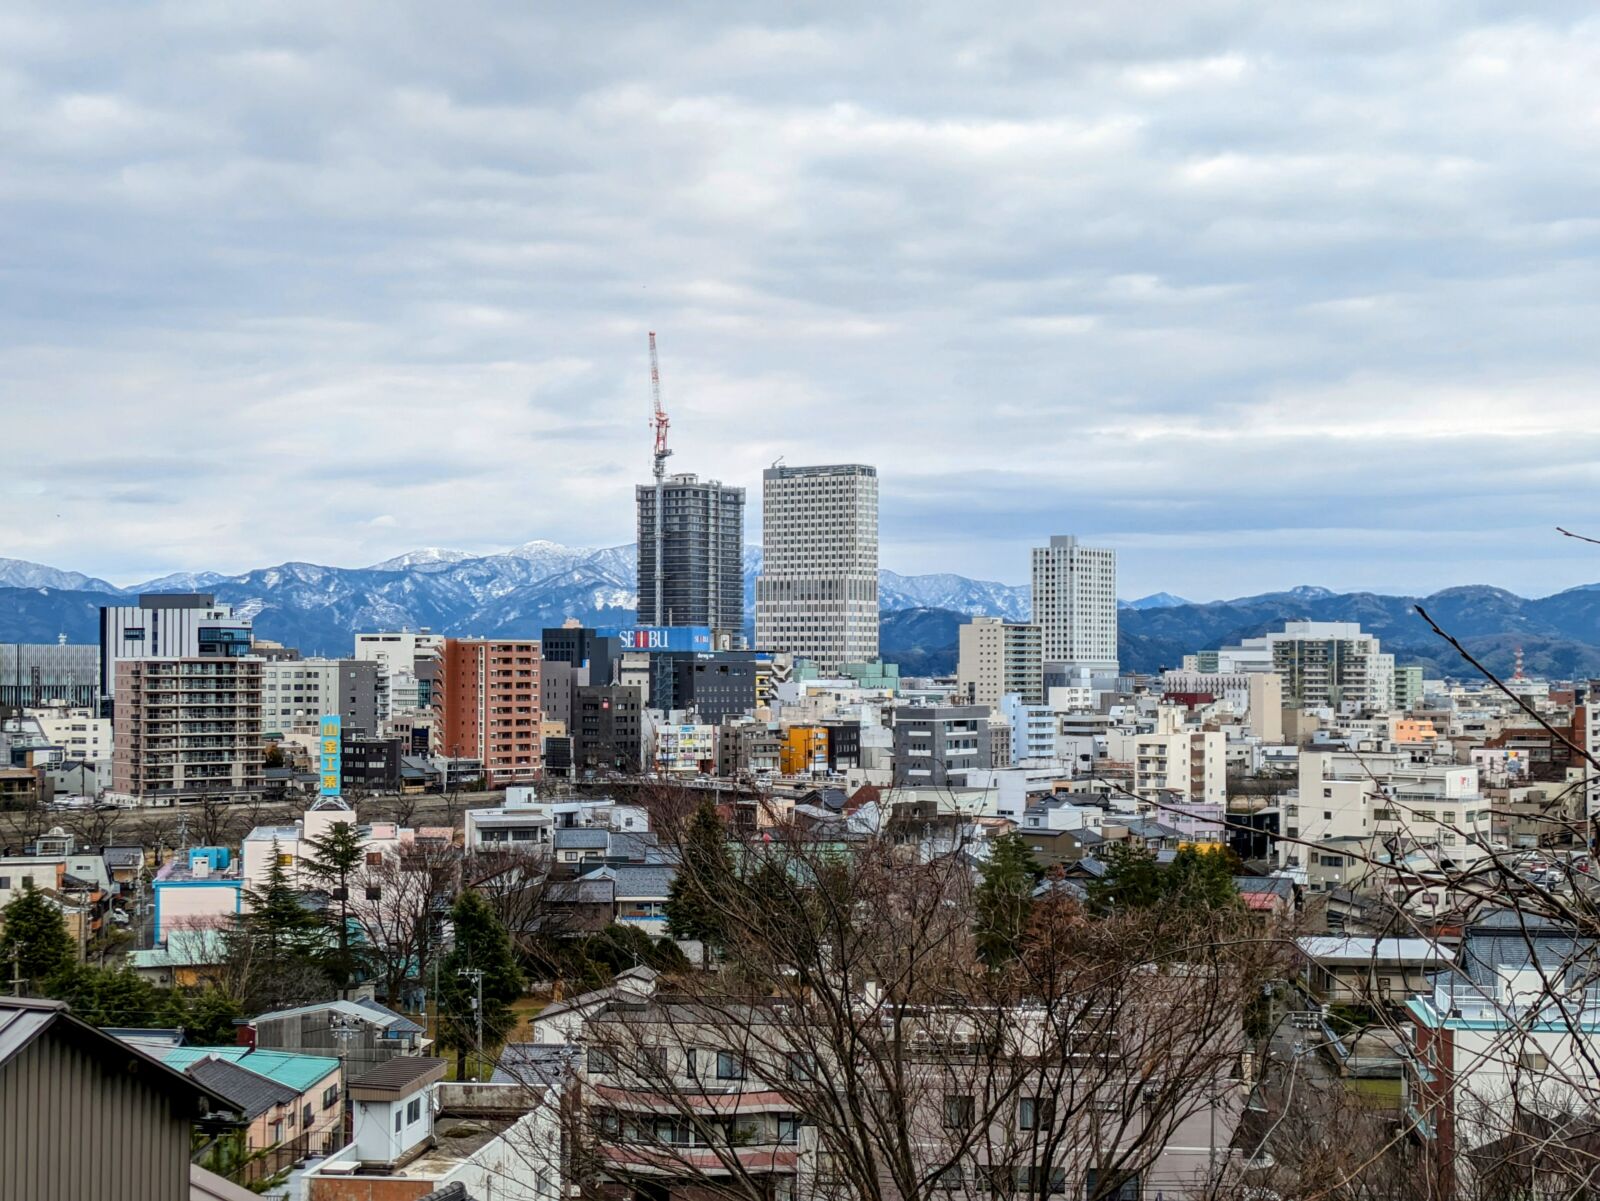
{"x":954,"y":593}
{"x":19,"y":573}
{"x":516,"y":592}
{"x":1156,"y":600}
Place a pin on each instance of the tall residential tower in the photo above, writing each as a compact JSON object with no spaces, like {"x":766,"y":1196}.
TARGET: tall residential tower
{"x":817,"y":595}
{"x":702,"y":554}
{"x":1075,"y":604}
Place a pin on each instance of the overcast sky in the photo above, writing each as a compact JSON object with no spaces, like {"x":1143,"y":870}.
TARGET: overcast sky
{"x":1259,"y":294}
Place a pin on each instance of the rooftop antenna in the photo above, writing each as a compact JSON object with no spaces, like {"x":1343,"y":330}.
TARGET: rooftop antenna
{"x":658,"y":421}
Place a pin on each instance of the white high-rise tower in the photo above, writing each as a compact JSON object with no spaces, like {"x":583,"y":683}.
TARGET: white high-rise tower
{"x":817,"y":595}
{"x":1075,"y":604}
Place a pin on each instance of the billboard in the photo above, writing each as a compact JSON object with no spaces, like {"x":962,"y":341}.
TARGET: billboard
{"x":662,"y":638}
{"x":329,"y":733}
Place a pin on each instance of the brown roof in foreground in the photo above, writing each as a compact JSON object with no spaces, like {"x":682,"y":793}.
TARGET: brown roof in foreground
{"x":400,"y":1075}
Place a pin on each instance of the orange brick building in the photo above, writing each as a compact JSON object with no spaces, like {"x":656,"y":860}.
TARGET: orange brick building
{"x":488,"y":702}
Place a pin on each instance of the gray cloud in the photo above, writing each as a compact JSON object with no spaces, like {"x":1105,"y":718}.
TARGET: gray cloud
{"x":1261,"y":295}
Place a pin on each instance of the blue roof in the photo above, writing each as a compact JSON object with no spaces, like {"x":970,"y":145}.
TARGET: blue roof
{"x":300,"y":1072}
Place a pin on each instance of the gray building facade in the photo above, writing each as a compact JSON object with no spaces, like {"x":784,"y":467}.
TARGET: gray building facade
{"x":702,"y":554}
{"x":939,"y":744}
{"x":36,"y":674}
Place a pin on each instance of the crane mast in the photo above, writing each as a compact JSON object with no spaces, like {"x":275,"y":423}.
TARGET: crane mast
{"x":658,"y":421}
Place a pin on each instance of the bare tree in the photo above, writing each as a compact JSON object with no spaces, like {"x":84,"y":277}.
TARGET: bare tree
{"x":399,"y":905}
{"x":854,"y":1045}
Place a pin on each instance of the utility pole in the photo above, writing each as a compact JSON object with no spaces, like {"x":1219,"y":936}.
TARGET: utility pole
{"x":476,"y":976}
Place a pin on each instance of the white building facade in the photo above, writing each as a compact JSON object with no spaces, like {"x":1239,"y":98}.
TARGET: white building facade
{"x":1075,"y":604}
{"x":817,"y":595}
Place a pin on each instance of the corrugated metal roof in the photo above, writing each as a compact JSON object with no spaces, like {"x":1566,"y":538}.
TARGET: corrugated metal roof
{"x":1366,"y":950}
{"x":299,"y":1072}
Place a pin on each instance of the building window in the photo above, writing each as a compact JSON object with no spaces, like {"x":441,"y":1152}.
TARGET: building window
{"x":398,"y":1118}
{"x":788,"y":1129}
{"x":374,"y":892}
{"x":600,"y":1063}
{"x":413,"y":1110}
{"x":374,"y":858}
{"x":958,"y":1111}
{"x":330,"y":1096}
{"x":1034,"y":1112}
{"x":729,"y":1066}
{"x":1535,"y":1061}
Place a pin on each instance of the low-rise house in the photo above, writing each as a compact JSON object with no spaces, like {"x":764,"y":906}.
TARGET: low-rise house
{"x":314,"y":1079}
{"x":1369,"y":971}
{"x":1271,"y":896}
{"x":417,"y":1136}
{"x":84,"y":1115}
{"x":272,"y":1137}
{"x":639,"y":894}
{"x":188,"y":958}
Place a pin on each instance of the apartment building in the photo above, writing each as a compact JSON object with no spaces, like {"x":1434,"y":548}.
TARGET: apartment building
{"x":1000,"y":658}
{"x":1075,"y":604}
{"x":817,"y":595}
{"x":169,"y":625}
{"x":1323,"y":664}
{"x":607,"y":728}
{"x":700,"y":576}
{"x":1387,"y":801}
{"x":403,"y":689}
{"x":1256,"y":696}
{"x":1177,"y":761}
{"x":187,"y":730}
{"x":489,"y":706}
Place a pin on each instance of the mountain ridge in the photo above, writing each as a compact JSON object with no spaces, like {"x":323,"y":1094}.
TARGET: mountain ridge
{"x":518,"y":592}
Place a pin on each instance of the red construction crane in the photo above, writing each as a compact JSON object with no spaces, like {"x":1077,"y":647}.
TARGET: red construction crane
{"x":659,"y":419}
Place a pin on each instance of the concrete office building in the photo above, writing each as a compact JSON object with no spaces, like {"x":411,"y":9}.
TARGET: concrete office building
{"x":817,"y":595}
{"x":489,"y":706}
{"x":702,"y":554}
{"x":186,"y":730}
{"x":1000,"y":658}
{"x":33,"y":675}
{"x":1075,"y":604}
{"x":296,"y":692}
{"x":1257,"y":696}
{"x":937,"y":745}
{"x":606,"y":731}
{"x":716,"y":686}
{"x":402,"y":689}
{"x":169,"y":625}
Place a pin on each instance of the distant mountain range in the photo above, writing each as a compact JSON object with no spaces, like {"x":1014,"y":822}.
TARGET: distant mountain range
{"x":521,"y":591}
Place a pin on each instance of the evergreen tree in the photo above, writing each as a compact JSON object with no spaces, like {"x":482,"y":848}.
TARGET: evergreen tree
{"x":1201,"y":878}
{"x":1132,"y":880}
{"x":1004,"y":899}
{"x":481,"y":944}
{"x":206,"y":1015}
{"x":34,"y":944}
{"x":695,"y":899}
{"x":277,"y":920}
{"x":335,"y":862}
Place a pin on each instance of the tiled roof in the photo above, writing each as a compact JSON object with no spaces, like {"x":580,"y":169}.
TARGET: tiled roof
{"x":254,"y":1094}
{"x":582,"y":838}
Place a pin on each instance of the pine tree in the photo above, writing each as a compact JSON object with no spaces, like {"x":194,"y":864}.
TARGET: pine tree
{"x":1132,"y":880}
{"x":1202,"y":879}
{"x":277,"y":919}
{"x":481,"y":944}
{"x":34,"y":944}
{"x":1004,"y":899}
{"x":695,"y":899}
{"x":334,"y":862}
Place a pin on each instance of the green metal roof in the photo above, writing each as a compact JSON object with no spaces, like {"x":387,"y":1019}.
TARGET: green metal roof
{"x":300,"y":1072}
